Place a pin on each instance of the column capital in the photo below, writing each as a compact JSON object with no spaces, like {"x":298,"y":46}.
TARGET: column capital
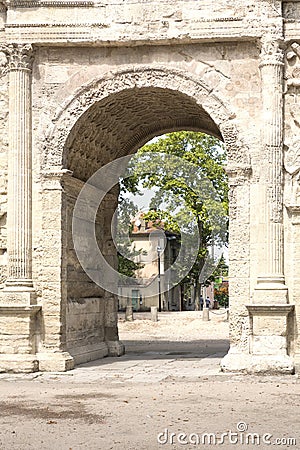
{"x":271,"y":52}
{"x":16,"y":57}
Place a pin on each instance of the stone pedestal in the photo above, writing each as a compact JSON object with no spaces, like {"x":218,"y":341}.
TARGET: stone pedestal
{"x":268,"y":344}
{"x":268,"y":338}
{"x":129,"y":313}
{"x":55,"y":361}
{"x":19,"y":336}
{"x":115,"y":348}
{"x":154,"y":314}
{"x":205,"y":314}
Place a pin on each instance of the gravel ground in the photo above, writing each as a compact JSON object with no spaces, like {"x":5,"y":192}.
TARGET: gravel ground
{"x":166,"y":392}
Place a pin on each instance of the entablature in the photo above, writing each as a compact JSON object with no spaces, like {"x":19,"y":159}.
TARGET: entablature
{"x":134,"y":21}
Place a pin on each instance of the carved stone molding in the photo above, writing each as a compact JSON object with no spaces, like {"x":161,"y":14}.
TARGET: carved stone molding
{"x":19,"y":310}
{"x":56,"y":173}
{"x":294,"y":213}
{"x":271,"y":52}
{"x":18,"y":56}
{"x":290,"y":11}
{"x":58,"y":25}
{"x":293,"y":65}
{"x":15,"y":57}
{"x":3,"y":63}
{"x":49,"y":4}
{"x":270,"y":310}
{"x":65,"y":118}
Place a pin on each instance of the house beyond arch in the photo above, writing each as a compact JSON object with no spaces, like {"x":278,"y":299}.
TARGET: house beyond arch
{"x":78,"y":96}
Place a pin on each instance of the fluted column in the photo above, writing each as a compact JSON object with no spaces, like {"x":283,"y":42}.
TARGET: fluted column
{"x":19,"y":227}
{"x":272,"y":276}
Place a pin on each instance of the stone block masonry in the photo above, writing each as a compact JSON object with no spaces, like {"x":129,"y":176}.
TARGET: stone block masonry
{"x":84,"y":83}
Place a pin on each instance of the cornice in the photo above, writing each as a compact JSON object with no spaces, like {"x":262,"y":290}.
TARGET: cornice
{"x":270,"y":310}
{"x":57,"y":25}
{"x":204,"y":30}
{"x":101,"y":24}
{"x":12,"y":4}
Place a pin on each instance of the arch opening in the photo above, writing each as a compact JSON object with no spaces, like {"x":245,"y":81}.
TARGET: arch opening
{"x":110,"y":119}
{"x":120,"y":124}
{"x":111,"y":128}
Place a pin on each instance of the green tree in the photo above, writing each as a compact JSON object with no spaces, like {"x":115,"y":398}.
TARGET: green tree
{"x":127,"y":267}
{"x":222,"y":269}
{"x":161,"y":219}
{"x":176,"y":198}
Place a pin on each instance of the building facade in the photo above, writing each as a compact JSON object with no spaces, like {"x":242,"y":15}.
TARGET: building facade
{"x":155,"y":255}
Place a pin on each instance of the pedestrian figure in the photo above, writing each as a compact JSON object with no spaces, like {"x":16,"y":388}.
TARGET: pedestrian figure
{"x":201,"y":302}
{"x":207,"y":302}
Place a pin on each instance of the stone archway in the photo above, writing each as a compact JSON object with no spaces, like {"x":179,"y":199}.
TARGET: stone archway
{"x":215,"y":116}
{"x":109,"y":118}
{"x":90,"y":128}
{"x":59,"y":70}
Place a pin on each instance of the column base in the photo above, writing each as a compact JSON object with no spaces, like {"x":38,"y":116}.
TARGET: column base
{"x":258,"y":364}
{"x":18,"y":296}
{"x":267,"y":345}
{"x":87,"y":353}
{"x":297,"y":362}
{"x":19,"y":284}
{"x":115,"y":348}
{"x":18,"y":332}
{"x":270,"y":290}
{"x":55,"y":362}
{"x":18,"y":363}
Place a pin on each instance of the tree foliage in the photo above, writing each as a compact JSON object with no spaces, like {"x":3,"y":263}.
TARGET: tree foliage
{"x":222,"y":296}
{"x":175,"y":199}
{"x":161,"y":219}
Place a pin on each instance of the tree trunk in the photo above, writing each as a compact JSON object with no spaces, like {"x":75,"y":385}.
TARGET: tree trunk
{"x":197,"y":296}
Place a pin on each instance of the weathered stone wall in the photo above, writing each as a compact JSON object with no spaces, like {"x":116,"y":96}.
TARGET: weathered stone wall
{"x":103,"y":87}
{"x":109,"y":130}
{"x":105,"y":131}
{"x":222,"y":66}
{"x":292,"y":179}
{"x":129,"y":21}
{"x":90,"y":311}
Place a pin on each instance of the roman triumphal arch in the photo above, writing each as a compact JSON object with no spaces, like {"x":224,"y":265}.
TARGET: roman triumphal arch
{"x":83,"y":83}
